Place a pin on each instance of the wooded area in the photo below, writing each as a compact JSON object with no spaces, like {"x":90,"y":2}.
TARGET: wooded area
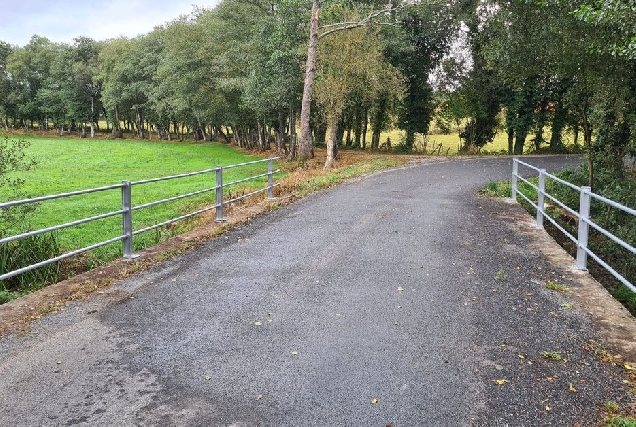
{"x":246,"y":70}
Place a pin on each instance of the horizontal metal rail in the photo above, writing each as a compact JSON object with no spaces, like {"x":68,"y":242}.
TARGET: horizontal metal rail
{"x":60,"y":258}
{"x":128,"y":209}
{"x":172,"y":199}
{"x":58,"y":196}
{"x":614,"y":273}
{"x":610,"y":236}
{"x":166,"y":178}
{"x":179,"y":218}
{"x":238,"y":165}
{"x":562,"y":205}
{"x":582,"y":215}
{"x":245,"y":196}
{"x":614,"y":204}
{"x":59,"y":227}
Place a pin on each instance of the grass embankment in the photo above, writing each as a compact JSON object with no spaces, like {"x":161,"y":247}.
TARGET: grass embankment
{"x":66,"y":165}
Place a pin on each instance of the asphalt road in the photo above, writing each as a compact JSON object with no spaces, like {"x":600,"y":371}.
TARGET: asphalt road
{"x":374,"y":303}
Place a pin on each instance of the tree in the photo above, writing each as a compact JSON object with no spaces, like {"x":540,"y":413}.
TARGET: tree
{"x":373,"y":13}
{"x":351,"y":63}
{"x":422,"y":40}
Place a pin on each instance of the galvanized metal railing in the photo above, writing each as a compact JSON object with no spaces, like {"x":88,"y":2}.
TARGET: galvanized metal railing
{"x":583,"y":215}
{"x":127,"y":209}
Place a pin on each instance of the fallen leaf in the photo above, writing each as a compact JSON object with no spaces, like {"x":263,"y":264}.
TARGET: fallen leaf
{"x":294,"y":353}
{"x":572,"y":389}
{"x":521,"y":356}
{"x":499,"y":367}
{"x":629,"y":367}
{"x":501,"y":382}
{"x":400,"y":289}
{"x":374,"y":401}
{"x":258,"y":323}
{"x":547,"y":408}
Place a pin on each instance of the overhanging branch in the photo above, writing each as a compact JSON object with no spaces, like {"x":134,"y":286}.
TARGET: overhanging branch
{"x":342,"y":26}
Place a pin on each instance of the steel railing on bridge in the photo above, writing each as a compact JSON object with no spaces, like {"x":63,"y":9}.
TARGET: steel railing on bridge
{"x":583,"y":215}
{"x":127,"y":209}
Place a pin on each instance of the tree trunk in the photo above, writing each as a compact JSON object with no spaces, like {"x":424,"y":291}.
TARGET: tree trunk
{"x":292,"y":132}
{"x":409,"y":141}
{"x":92,"y":117}
{"x":576,"y":135}
{"x":281,"y":148}
{"x":139,"y":122}
{"x":365,"y":127}
{"x":558,"y":123}
{"x":511,"y":138}
{"x":520,"y":141}
{"x":332,"y":143}
{"x":306,"y":147}
{"x":375,"y":140}
{"x":587,"y":141}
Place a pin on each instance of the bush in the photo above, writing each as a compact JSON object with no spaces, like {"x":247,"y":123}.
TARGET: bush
{"x":13,"y":220}
{"x":25,"y":252}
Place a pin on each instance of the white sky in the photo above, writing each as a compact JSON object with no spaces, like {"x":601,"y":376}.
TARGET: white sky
{"x":62,"y":20}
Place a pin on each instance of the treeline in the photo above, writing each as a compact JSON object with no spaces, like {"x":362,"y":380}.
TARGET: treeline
{"x":237,"y":72}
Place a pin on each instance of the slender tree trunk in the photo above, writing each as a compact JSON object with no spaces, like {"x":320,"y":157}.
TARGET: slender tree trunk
{"x":292,"y":133}
{"x":365,"y":127}
{"x":306,"y":148}
{"x":520,"y":141}
{"x":332,"y":143}
{"x":375,"y":140}
{"x":280,"y":135}
{"x":576,"y":135}
{"x":587,"y":140}
{"x":92,"y":117}
{"x":511,"y":139}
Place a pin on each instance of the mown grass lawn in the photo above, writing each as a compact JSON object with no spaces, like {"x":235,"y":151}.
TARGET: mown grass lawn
{"x":66,"y":164}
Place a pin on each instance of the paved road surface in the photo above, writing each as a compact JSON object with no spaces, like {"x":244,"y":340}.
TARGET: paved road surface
{"x":383,"y":288}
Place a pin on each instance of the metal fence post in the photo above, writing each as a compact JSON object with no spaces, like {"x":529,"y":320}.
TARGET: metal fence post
{"x":270,"y":178}
{"x":583,"y":231}
{"x":219,"y":195}
{"x":515,"y":172}
{"x":126,"y":206}
{"x":541,"y":198}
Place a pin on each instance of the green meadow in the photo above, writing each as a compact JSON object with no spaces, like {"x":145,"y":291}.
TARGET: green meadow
{"x":65,"y":165}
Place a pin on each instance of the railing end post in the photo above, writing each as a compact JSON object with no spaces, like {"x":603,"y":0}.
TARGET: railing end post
{"x":541,"y":199}
{"x":513,"y":182}
{"x":583,"y":228}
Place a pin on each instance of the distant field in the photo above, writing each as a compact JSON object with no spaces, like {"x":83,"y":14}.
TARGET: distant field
{"x":65,"y":165}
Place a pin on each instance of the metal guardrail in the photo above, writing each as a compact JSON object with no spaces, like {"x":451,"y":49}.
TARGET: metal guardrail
{"x":583,"y":215}
{"x":127,"y":209}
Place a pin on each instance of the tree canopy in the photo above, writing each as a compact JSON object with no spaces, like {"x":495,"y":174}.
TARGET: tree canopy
{"x":243,"y":72}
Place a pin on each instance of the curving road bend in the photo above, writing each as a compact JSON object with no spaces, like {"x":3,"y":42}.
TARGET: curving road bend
{"x":374,"y":303}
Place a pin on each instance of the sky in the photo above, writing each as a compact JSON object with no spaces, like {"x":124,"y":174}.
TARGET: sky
{"x":63,"y":20}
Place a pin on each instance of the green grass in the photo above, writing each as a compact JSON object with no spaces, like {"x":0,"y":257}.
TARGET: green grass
{"x":65,"y":165}
{"x":450,"y":143}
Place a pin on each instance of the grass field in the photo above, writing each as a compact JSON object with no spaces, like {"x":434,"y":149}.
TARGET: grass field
{"x":65,"y":165}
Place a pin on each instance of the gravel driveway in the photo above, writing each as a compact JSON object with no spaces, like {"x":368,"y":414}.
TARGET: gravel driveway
{"x":400,"y":299}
